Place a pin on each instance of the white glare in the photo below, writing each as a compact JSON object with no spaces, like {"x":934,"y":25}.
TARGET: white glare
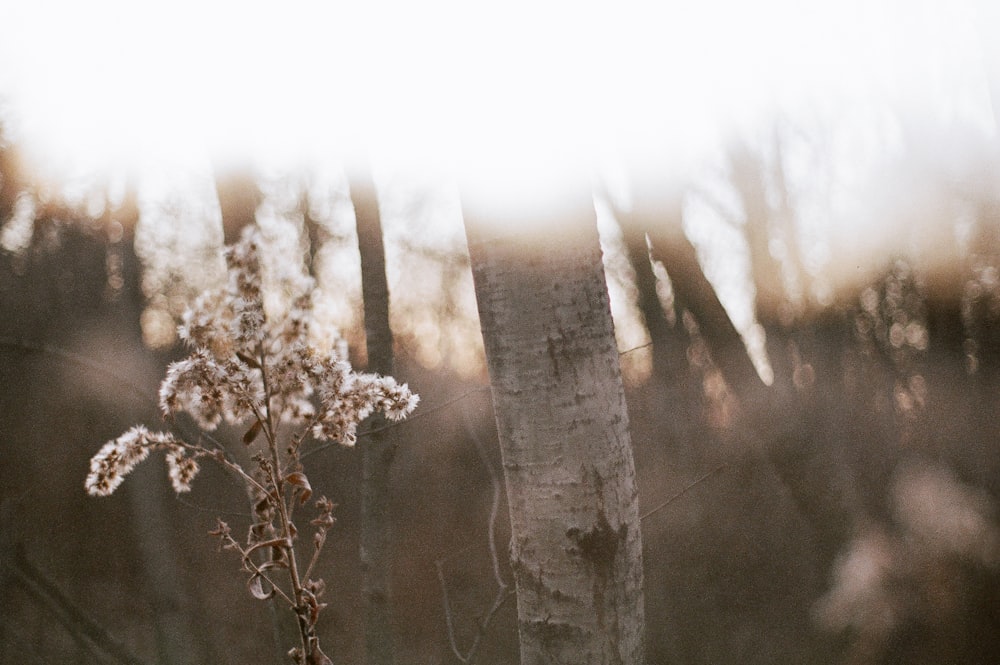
{"x":487,"y":90}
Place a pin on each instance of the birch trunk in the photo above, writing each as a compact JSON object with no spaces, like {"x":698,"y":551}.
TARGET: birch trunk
{"x":550,"y":346}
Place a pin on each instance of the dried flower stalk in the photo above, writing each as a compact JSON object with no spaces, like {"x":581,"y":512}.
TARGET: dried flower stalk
{"x":260,"y":363}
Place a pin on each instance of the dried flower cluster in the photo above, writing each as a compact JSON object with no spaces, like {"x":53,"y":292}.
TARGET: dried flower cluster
{"x":115,"y":459}
{"x":252,"y":363}
{"x":254,"y":358}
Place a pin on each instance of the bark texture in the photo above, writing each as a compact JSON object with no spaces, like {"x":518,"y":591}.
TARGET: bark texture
{"x":554,"y":369}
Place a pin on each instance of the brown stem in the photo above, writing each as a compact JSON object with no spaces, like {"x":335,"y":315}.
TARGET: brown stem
{"x":219,"y":456}
{"x":256,"y":570}
{"x":279,"y":499}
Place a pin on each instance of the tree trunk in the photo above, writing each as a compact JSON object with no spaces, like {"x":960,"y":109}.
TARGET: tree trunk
{"x":180,"y":628}
{"x":670,"y":342}
{"x":770,"y":296}
{"x":680,"y":258}
{"x":775,"y":420}
{"x":239,"y":197}
{"x":560,"y":407}
{"x":378,"y":448}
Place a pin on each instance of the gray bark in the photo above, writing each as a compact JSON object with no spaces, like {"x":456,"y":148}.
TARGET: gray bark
{"x":560,"y":408}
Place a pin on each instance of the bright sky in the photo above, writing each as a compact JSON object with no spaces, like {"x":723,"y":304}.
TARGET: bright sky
{"x":514,"y":92}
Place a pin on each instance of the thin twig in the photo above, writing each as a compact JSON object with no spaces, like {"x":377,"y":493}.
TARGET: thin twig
{"x":215,"y":511}
{"x":504,"y":590}
{"x":252,"y":567}
{"x":277,"y":480}
{"x":317,"y":548}
{"x":449,"y":622}
{"x":77,"y":359}
{"x":78,"y":624}
{"x":13,"y":344}
{"x":428,"y":411}
{"x":497,"y":489}
{"x":224,"y":460}
{"x":684,"y":491}
{"x":635,"y":348}
{"x":422,"y":412}
{"x":503,"y":593}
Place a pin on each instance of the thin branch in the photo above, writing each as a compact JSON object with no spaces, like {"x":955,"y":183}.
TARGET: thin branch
{"x":497,"y":488}
{"x":449,"y":622}
{"x":252,"y":567}
{"x":427,"y":412}
{"x":218,"y":512}
{"x":504,"y":590}
{"x":635,"y":348}
{"x":284,"y":516}
{"x":72,"y":618}
{"x":423,"y":412}
{"x":684,"y":491}
{"x":13,"y":344}
{"x":317,"y":548}
{"x":503,"y":593}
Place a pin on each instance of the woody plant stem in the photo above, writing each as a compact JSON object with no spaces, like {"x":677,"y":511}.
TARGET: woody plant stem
{"x":279,"y":498}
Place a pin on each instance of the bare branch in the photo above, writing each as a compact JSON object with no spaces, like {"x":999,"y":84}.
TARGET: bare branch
{"x":72,"y":618}
{"x":497,"y":488}
{"x":504,"y":590}
{"x":13,"y":344}
{"x":422,"y":412}
{"x":503,"y":593}
{"x":688,"y":488}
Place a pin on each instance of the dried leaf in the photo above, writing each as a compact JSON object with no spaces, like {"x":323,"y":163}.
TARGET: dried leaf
{"x":276,"y":542}
{"x":325,"y":521}
{"x":314,"y":609}
{"x":270,"y":565}
{"x":252,"y":433}
{"x":224,"y":534}
{"x":221,"y":529}
{"x":249,"y":360}
{"x":316,"y":587}
{"x":260,"y":532}
{"x":299,"y":479}
{"x":315,"y":655}
{"x":256,"y":586}
{"x":263,"y":509}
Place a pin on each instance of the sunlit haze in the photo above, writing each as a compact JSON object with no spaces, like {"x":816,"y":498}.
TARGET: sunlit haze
{"x":497,"y":93}
{"x":870,"y":106}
